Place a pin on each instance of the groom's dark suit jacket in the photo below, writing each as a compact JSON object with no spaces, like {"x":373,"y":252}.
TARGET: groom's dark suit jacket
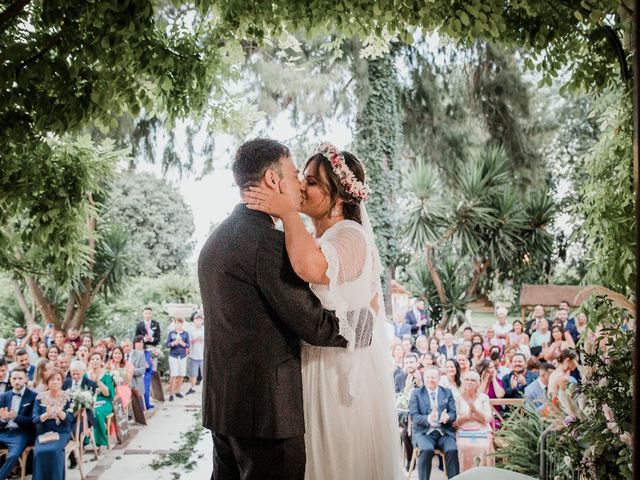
{"x":256,"y":311}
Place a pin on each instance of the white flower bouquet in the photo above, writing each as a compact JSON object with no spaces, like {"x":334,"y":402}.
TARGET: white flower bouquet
{"x":117,"y":376}
{"x":81,"y":398}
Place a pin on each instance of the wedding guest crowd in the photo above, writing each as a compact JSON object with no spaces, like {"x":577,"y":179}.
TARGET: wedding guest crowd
{"x":40,"y":369}
{"x":445,"y":383}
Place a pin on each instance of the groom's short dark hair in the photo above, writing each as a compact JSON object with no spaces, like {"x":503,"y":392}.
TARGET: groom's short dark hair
{"x":254,"y":158}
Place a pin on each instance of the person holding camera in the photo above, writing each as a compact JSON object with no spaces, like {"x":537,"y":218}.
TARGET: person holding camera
{"x":178,"y":342}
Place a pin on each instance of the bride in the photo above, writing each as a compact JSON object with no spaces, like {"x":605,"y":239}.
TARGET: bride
{"x":350,"y":418}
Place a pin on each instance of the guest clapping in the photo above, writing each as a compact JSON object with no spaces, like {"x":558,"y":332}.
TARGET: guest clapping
{"x":475,"y":437}
{"x":106,"y":393}
{"x":50,"y":415}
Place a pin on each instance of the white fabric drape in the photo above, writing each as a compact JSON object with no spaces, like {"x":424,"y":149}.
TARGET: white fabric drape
{"x":350,"y":417}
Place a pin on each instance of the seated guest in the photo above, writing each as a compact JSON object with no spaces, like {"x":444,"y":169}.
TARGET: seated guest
{"x":491,"y":340}
{"x":540,"y":337}
{"x":501,"y":327}
{"x":495,"y":355}
{"x":409,"y":377}
{"x":39,"y":384}
{"x":561,"y":376}
{"x":397,"y":355}
{"x":20,"y":337}
{"x":69,"y":350}
{"x":533,"y":365}
{"x":536,"y":392}
{"x":580,"y":328}
{"x":448,"y":349}
{"x":62,"y":364}
{"x":9,"y":352}
{"x":422,"y":346}
{"x":536,"y":321}
{"x":490,"y":383}
{"x":432,"y":410}
{"x":73,"y":336}
{"x":462,"y":355}
{"x":106,"y":393}
{"x":516,"y":381}
{"x":122,"y":372}
{"x":451,"y":377}
{"x":22,"y":361}
{"x":31,"y":345}
{"x":519,"y":338}
{"x":434,"y":350}
{"x":467,"y":334}
{"x":560,"y":341}
{"x":83,"y":354}
{"x":52,"y":353}
{"x":477,"y":354}
{"x":78,"y":379}
{"x":87,"y":341}
{"x":16,"y":427}
{"x":50,"y":415}
{"x":474,"y":415}
{"x":4,"y":376}
{"x":407,"y":345}
{"x":58,"y":340}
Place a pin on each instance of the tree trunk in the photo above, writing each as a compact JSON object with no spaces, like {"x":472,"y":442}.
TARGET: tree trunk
{"x":45,"y":306}
{"x":479,"y":268}
{"x":435,"y":276}
{"x":22,"y":303}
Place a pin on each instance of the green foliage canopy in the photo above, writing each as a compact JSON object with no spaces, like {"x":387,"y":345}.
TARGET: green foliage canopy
{"x":157,"y":220}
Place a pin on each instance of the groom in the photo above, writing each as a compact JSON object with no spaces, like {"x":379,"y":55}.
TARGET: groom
{"x":257,"y":311}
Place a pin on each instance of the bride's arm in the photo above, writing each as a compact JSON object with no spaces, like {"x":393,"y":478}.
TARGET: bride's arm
{"x":306,"y":258}
{"x":304,"y":254}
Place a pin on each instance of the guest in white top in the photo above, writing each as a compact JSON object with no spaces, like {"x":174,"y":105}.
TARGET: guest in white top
{"x":501,"y":327}
{"x":474,"y":436}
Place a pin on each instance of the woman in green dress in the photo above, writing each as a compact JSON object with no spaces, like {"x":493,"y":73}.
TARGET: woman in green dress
{"x":105,"y":393}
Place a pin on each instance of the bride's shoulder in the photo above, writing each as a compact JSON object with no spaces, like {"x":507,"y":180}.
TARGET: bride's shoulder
{"x":345,"y":226}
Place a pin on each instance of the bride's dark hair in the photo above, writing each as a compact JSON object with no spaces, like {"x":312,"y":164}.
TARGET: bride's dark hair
{"x":333,"y":187}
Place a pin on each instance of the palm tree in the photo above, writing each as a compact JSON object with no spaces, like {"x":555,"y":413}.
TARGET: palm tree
{"x":483,"y":223}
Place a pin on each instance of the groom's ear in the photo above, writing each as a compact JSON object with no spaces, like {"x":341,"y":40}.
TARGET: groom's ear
{"x":272,"y":179}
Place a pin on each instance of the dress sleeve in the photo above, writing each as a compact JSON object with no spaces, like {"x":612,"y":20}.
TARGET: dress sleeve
{"x":347,"y":253}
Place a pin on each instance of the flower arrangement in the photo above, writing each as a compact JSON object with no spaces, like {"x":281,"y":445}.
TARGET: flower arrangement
{"x":594,"y":436}
{"x":81,"y":398}
{"x":351,"y":184}
{"x":402,"y":405}
{"x":117,"y":375}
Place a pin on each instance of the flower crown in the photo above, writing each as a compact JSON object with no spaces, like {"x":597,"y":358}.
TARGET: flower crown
{"x":351,"y":184}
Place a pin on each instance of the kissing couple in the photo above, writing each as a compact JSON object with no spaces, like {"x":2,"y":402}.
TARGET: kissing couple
{"x":296,"y":339}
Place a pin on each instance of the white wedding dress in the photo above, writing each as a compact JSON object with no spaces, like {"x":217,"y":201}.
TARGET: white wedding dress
{"x":349,"y":408}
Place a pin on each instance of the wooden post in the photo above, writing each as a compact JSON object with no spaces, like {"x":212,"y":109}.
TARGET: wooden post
{"x":636,"y":160}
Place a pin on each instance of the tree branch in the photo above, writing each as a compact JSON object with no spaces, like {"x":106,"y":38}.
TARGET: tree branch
{"x":53,"y":41}
{"x":11,"y":12}
{"x":618,"y":49}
